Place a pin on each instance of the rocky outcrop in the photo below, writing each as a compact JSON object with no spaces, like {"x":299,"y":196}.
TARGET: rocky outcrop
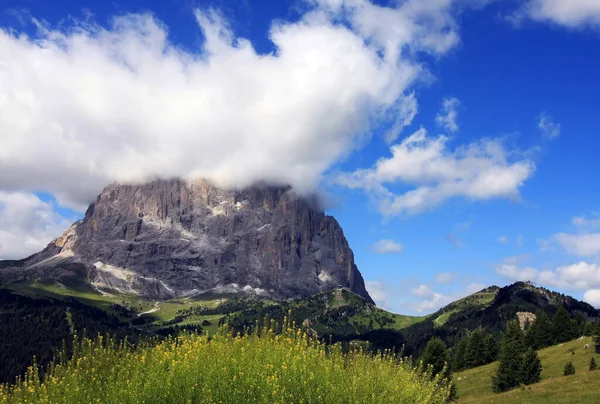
{"x":173,"y":238}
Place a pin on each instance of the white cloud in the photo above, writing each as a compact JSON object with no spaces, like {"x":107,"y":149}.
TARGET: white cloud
{"x":502,"y":239}
{"x":588,"y":223}
{"x":517,"y":273}
{"x":569,"y":13}
{"x":435,"y":302}
{"x":446,"y":118}
{"x":27,"y":224}
{"x":423,"y":291}
{"x":549,"y":128}
{"x":478,"y":171}
{"x":432,"y":301}
{"x":87,"y":105}
{"x":578,"y":276}
{"x":445,"y":277}
{"x":584,"y":245}
{"x":387,"y":247}
{"x":378,"y":293}
{"x":592,"y":297}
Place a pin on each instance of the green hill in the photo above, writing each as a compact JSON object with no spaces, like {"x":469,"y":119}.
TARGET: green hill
{"x":262,"y":367}
{"x":474,"y":385}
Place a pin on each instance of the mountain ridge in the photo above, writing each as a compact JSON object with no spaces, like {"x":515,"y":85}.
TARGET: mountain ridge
{"x":174,"y":238}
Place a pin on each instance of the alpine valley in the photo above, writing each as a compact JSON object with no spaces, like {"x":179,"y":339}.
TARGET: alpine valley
{"x":154,"y":259}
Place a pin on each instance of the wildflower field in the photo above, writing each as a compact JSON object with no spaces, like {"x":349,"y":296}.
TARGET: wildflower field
{"x":259,"y":367}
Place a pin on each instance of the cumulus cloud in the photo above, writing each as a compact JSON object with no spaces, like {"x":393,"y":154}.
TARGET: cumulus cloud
{"x":516,"y":273}
{"x":423,"y":291}
{"x":479,"y":171}
{"x":592,"y":297}
{"x":584,"y":245}
{"x":378,"y":292}
{"x":447,"y":117}
{"x":387,"y":247}
{"x":548,"y":127}
{"x":445,"y":277}
{"x":579,"y":276}
{"x":569,"y":13}
{"x":86,"y":105}
{"x":27,"y":224}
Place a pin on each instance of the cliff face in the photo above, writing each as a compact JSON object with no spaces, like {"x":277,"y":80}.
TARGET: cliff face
{"x":175,"y":238}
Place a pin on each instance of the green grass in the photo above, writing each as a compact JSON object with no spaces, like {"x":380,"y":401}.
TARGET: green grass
{"x":474,"y":385}
{"x":83,"y":293}
{"x":476,"y":299}
{"x":257,"y":368}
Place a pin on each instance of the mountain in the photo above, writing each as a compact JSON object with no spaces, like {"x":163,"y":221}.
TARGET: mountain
{"x":488,"y":309}
{"x":173,"y":238}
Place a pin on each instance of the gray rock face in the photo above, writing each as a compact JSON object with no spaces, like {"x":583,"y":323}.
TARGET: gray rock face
{"x":176,"y":238}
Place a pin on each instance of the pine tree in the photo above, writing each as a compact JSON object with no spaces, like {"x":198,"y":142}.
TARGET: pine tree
{"x":475,"y":355}
{"x":589,"y":329}
{"x":569,"y":369}
{"x":579,"y":323}
{"x":544,"y":335}
{"x":563,"y":327}
{"x":532,"y":368}
{"x":436,"y":356}
{"x":508,"y":374}
{"x":593,"y":365}
{"x":459,"y":354}
{"x":597,"y":339}
{"x":514,"y":335}
{"x":491,"y":348}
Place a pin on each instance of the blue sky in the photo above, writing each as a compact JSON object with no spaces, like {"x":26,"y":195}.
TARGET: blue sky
{"x":495,"y":103}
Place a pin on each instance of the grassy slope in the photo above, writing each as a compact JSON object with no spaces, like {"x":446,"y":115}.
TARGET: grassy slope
{"x":168,"y":310}
{"x":476,"y":299}
{"x":474,"y":385}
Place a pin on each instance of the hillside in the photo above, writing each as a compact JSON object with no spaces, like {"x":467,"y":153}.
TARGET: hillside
{"x":262,"y":367}
{"x":48,"y":312}
{"x":474,"y":385}
{"x":488,"y":309}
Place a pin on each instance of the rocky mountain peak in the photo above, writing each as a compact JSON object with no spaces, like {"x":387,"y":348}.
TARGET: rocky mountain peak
{"x":170,"y":238}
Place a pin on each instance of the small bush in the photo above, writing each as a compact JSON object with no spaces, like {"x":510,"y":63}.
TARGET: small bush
{"x":593,"y":365}
{"x":569,"y":369}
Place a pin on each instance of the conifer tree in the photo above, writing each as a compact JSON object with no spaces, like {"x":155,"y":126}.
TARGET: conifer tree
{"x":579,"y":324}
{"x":508,"y":374}
{"x":593,"y":365}
{"x":563,"y":327}
{"x":491,"y":348}
{"x":597,"y":339}
{"x":475,"y":355}
{"x":436,"y":356}
{"x":459,"y":354}
{"x":514,"y":335}
{"x":569,"y":369}
{"x":543,"y":331}
{"x":531,"y":371}
{"x":589,"y":329}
